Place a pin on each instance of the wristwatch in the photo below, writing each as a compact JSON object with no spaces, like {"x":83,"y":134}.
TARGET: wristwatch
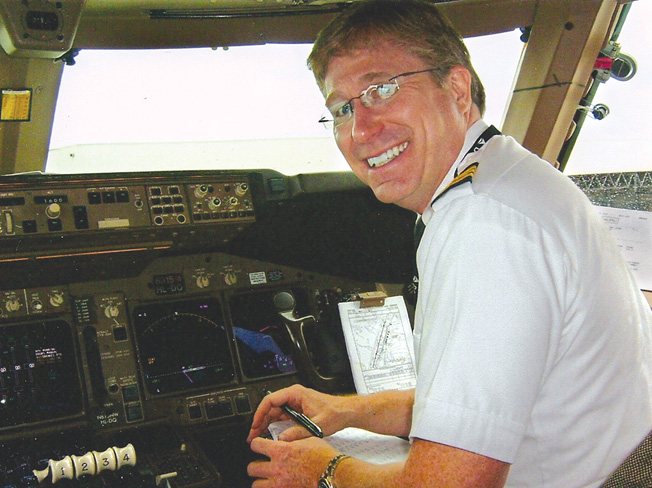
{"x":326,"y":480}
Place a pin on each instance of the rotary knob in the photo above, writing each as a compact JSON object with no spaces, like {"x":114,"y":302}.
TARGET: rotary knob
{"x":230,"y":278}
{"x":53,"y":211}
{"x":201,"y":191}
{"x":56,"y":299}
{"x":12,"y":305}
{"x":112,"y":311}
{"x":202,"y":281}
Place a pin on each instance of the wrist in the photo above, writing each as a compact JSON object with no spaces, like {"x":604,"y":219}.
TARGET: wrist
{"x":328,"y":476}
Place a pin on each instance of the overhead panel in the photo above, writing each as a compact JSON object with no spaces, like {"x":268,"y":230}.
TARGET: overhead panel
{"x":206,"y":23}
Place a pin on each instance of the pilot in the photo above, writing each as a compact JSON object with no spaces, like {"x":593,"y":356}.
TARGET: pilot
{"x":533,"y":342}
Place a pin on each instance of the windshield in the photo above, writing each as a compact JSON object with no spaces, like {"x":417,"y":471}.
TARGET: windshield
{"x":240,"y":108}
{"x":258,"y":106}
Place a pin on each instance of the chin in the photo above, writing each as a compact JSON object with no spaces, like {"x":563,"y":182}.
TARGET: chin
{"x":386,"y":196}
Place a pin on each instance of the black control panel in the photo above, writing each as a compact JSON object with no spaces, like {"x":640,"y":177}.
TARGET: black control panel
{"x":87,"y":206}
{"x":135,"y":341}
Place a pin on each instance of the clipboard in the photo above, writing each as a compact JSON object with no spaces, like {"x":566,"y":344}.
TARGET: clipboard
{"x":379,"y":342}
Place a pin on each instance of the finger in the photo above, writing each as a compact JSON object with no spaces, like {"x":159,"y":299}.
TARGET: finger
{"x":294,"y":433}
{"x":259,"y":426}
{"x":261,"y":412}
{"x":270,"y":408}
{"x":258,"y":469}
{"x":262,"y":446}
{"x":261,"y":483}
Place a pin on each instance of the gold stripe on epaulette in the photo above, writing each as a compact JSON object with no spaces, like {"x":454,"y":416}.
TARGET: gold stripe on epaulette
{"x":463,"y":177}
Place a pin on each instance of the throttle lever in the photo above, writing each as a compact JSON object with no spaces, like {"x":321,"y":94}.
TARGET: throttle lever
{"x":285,"y":303}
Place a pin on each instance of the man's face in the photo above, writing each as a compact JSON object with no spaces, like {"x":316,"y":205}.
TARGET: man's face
{"x":422,"y":126}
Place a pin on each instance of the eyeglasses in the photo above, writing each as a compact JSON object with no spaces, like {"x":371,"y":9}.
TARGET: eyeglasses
{"x":372,"y":96}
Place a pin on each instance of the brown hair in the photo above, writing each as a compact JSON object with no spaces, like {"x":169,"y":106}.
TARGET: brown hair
{"x":414,"y":24}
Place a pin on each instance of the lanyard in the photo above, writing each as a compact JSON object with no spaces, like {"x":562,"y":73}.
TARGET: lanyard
{"x":488,"y":133}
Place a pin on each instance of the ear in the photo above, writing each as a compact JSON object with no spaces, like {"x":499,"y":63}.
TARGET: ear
{"x":459,"y":83}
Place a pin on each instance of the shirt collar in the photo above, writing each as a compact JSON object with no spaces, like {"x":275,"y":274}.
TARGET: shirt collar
{"x":458,"y":166}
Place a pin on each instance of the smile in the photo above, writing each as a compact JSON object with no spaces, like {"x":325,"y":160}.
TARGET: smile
{"x":387,"y":156}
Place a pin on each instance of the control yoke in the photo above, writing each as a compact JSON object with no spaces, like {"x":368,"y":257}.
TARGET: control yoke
{"x":285,"y":303}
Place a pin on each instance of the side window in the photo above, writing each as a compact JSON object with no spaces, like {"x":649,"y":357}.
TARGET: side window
{"x":620,"y":141}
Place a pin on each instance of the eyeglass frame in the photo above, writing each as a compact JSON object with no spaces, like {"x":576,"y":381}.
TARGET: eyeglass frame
{"x":364,"y":93}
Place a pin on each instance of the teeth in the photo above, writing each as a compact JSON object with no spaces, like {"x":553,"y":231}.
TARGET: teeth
{"x":387,"y":156}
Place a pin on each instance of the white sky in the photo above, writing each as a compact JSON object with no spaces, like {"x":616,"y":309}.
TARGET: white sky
{"x":267,"y":92}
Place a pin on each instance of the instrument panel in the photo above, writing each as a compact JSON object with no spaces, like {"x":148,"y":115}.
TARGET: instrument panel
{"x":108,"y":356}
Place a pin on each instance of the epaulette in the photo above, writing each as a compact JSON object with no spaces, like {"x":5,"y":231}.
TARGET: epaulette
{"x":463,"y":177}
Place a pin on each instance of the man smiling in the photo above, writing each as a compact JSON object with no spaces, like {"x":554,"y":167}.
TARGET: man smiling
{"x":402,"y":146}
{"x":533,"y":342}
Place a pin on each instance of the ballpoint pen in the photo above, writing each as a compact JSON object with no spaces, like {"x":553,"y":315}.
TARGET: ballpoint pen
{"x":301,"y":419}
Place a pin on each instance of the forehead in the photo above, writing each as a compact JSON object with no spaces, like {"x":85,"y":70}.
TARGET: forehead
{"x":351,"y":72}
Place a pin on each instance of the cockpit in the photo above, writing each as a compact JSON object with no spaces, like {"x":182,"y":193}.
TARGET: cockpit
{"x":177,"y":228}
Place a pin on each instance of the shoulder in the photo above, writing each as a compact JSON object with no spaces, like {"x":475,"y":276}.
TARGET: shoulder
{"x":513,"y":175}
{"x":514,"y":178}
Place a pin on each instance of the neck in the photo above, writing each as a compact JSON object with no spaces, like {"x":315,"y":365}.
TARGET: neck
{"x":474,"y":116}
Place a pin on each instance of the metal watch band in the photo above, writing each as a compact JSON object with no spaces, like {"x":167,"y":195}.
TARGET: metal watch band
{"x":326,"y":480}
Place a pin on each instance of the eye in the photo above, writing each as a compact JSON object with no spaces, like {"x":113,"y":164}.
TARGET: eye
{"x":386,"y":90}
{"x":343,"y":112}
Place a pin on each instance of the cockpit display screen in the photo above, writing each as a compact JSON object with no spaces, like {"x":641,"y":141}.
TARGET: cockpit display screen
{"x":183,"y":346}
{"x":39,"y":380}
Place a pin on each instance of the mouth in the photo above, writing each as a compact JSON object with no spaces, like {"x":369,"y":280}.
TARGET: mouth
{"x":387,"y":156}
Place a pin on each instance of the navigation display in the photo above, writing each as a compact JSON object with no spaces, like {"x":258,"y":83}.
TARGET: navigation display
{"x":39,"y":380}
{"x":182,"y":346}
{"x":262,"y":340}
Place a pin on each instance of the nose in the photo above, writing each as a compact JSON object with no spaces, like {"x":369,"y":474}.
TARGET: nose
{"x":366,"y":123}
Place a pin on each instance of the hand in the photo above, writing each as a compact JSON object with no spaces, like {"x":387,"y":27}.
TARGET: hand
{"x":331,"y":413}
{"x":296,"y":464}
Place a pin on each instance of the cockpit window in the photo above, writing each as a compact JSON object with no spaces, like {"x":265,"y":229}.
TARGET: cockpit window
{"x":238,"y":108}
{"x":258,"y":107}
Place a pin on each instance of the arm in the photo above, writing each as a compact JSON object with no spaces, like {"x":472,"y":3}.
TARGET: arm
{"x":385,"y":413}
{"x":300,"y":464}
{"x":429,"y":464}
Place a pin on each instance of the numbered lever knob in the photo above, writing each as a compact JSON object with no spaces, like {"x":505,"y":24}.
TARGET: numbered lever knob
{"x":63,"y":469}
{"x":84,"y":465}
{"x":89,"y":464}
{"x":126,"y":456}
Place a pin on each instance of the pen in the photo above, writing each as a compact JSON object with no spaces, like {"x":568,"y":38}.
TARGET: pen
{"x":301,"y":419}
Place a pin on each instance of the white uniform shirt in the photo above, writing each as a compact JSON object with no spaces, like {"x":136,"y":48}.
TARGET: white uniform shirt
{"x":533,"y":341}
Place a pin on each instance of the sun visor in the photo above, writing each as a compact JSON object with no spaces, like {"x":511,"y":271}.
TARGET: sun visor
{"x":39,"y":28}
